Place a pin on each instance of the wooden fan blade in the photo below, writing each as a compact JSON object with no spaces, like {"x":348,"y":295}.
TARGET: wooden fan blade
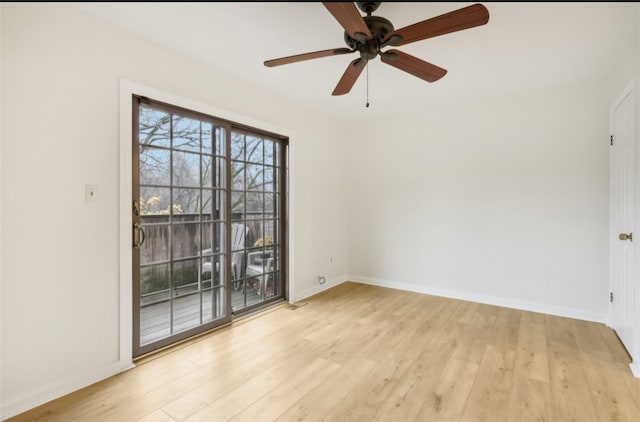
{"x":306,"y":56}
{"x":465,"y":18}
{"x":349,"y":77}
{"x":413,"y":65}
{"x":349,"y":18}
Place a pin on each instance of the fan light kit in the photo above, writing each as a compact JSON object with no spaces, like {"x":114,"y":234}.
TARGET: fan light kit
{"x":368,"y":35}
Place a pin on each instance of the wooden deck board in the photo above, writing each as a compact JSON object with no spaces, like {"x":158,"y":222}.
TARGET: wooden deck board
{"x":155,"y":319}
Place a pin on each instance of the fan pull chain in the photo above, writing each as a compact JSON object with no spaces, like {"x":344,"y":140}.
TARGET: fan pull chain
{"x":367,"y":86}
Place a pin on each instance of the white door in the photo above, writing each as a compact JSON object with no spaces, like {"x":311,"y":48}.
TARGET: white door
{"x":622,"y":220}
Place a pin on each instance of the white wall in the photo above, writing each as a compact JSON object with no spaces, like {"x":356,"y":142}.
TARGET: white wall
{"x":60,"y":84}
{"x":503,"y":202}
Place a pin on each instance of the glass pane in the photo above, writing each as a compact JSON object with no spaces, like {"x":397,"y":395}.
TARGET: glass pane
{"x":154,"y":201}
{"x":186,"y":275}
{"x":238,"y":266}
{"x":155,"y":322}
{"x":154,"y":166}
{"x":207,"y":171}
{"x":254,"y":151}
{"x":237,"y":295}
{"x":237,"y":146}
{"x":252,"y":290}
{"x":268,"y":179}
{"x":255,"y":204}
{"x":186,"y":240}
{"x":255,"y":237}
{"x":266,"y":238}
{"x":154,"y":283}
{"x":155,"y":247}
{"x":269,"y":231}
{"x":268,"y":152}
{"x":186,"y":312}
{"x":237,"y":204}
{"x":270,"y":202}
{"x":186,"y":134}
{"x":186,"y":201}
{"x":276,"y":154}
{"x":255,"y":177}
{"x":256,"y":261}
{"x":207,"y":138}
{"x":186,"y":169}
{"x":237,"y":175}
{"x":154,"y":307}
{"x":154,"y":127}
{"x":239,"y":236}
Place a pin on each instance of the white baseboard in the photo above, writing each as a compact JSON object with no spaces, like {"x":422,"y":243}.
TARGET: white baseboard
{"x":319,"y":288}
{"x":489,"y":300}
{"x":21,"y":403}
{"x":635,"y":369}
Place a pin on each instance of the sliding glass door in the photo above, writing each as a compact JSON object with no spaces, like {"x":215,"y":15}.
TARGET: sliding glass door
{"x":208,"y":225}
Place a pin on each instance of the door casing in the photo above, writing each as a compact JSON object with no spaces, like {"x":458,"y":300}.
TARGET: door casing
{"x":626,"y":296}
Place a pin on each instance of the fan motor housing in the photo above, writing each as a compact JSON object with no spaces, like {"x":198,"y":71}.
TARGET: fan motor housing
{"x":379,"y":28}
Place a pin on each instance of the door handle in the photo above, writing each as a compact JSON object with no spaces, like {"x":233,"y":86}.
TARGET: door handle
{"x":138,"y":236}
{"x":625,"y":236}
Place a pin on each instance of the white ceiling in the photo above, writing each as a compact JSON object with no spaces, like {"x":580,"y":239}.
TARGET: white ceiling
{"x":524,"y":47}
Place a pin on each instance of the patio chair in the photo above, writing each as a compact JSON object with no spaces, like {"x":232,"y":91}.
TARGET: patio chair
{"x":238,"y":235}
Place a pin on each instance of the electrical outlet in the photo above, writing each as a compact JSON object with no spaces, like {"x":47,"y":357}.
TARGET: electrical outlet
{"x":321,"y":279}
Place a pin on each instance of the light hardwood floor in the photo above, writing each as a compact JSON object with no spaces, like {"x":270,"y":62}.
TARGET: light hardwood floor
{"x":363,"y":353}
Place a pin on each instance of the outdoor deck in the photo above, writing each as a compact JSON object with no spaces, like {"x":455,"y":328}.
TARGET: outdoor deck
{"x":155,"y":319}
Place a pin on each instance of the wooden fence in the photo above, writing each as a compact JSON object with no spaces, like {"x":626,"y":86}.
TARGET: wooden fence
{"x":185,"y":239}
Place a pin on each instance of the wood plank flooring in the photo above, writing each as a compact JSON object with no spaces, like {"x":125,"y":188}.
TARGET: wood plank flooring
{"x":364,"y":353}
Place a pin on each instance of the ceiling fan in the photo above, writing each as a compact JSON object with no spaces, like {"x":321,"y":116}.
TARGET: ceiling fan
{"x":368,"y":35}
